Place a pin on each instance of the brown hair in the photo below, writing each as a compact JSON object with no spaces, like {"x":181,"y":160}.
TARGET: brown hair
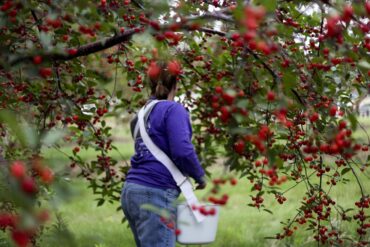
{"x":163,"y":83}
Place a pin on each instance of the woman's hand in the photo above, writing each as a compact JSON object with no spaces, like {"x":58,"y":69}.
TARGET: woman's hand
{"x":201,"y":186}
{"x":201,"y":183}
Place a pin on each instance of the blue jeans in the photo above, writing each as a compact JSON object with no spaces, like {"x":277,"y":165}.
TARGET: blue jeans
{"x":149,"y":228}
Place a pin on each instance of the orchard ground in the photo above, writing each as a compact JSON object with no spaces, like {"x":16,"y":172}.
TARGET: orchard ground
{"x":240,"y":225}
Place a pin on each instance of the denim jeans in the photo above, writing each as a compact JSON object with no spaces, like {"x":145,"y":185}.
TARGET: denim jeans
{"x":149,"y":228}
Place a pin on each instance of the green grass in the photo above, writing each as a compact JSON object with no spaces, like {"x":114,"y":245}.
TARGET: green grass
{"x":239,"y":225}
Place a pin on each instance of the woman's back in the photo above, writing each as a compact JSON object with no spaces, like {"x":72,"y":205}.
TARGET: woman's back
{"x":169,"y":127}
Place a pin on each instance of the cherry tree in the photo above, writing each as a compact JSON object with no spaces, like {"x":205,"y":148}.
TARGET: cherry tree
{"x":271,"y":82}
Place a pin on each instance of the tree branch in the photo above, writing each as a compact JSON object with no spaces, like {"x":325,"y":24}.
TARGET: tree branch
{"x":298,"y":96}
{"x":273,"y":74}
{"x":97,"y":46}
{"x":211,"y":15}
{"x":211,"y":31}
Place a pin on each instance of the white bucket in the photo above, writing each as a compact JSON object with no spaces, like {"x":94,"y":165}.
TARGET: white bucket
{"x":192,"y":232}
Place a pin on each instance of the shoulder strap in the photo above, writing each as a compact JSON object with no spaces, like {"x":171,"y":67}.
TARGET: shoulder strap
{"x":146,"y":116}
{"x":181,"y":181}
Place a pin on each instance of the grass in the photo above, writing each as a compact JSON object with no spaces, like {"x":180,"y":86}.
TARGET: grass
{"x":239,"y":224}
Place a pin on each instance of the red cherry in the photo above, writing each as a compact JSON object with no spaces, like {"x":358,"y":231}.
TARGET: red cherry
{"x":153,"y":70}
{"x":264,"y":132}
{"x":225,"y":114}
{"x":37,"y":59}
{"x":7,"y":5}
{"x":169,"y":35}
{"x":367,"y":7}
{"x":314,"y":117}
{"x":333,"y":27}
{"x":76,"y":149}
{"x":21,"y":238}
{"x":239,"y":146}
{"x":29,"y":186}
{"x":18,"y":169}
{"x":47,"y":176}
{"x":228,"y":98}
{"x":218,"y":89}
{"x":235,"y":36}
{"x":212,"y":211}
{"x":263,"y":47}
{"x":333,"y":110}
{"x":233,"y":181}
{"x":45,"y":72}
{"x":285,"y":63}
{"x":249,"y":35}
{"x":326,"y":51}
{"x":72,"y":51}
{"x":342,"y":125}
{"x":7,"y":220}
{"x":143,"y":59}
{"x":174,"y":67}
{"x":43,"y":216}
{"x":270,"y":96}
{"x":203,"y":211}
{"x":347,"y":13}
{"x":65,"y":37}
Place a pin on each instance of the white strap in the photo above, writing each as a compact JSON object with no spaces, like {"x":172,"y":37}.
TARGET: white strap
{"x":181,"y":181}
{"x":146,"y":114}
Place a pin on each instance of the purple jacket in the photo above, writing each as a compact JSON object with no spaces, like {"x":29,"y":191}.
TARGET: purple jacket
{"x":168,"y":126}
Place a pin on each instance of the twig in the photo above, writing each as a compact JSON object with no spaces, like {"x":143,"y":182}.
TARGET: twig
{"x":211,"y":15}
{"x":115,"y":83}
{"x":36,"y":19}
{"x":321,"y":27}
{"x":296,"y":184}
{"x":357,"y":179}
{"x":275,"y":77}
{"x":298,"y":96}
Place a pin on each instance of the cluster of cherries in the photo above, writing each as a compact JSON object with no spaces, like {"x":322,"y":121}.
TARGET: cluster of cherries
{"x":26,"y":180}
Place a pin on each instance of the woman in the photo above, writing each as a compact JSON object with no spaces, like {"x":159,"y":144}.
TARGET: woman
{"x":148,"y":181}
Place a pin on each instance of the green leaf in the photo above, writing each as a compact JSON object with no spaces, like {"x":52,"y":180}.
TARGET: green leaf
{"x":345,"y":170}
{"x":52,"y":137}
{"x":289,"y":80}
{"x":100,"y":202}
{"x":25,"y":134}
{"x":364,"y":64}
{"x":268,"y":211}
{"x":242,"y":103}
{"x":45,"y":40}
{"x":353,"y":120}
{"x":270,"y":5}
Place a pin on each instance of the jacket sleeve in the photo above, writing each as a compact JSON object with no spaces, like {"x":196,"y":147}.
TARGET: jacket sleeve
{"x":182,"y":152}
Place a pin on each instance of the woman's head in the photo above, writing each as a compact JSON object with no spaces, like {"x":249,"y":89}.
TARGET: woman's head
{"x":162,"y":82}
